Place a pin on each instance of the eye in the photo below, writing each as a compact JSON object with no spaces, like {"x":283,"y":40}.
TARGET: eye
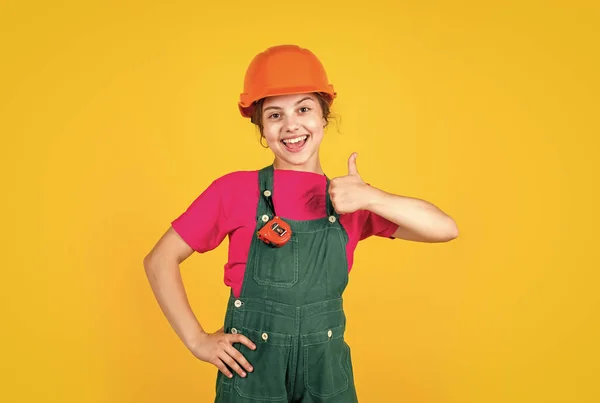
{"x":274,"y":115}
{"x":304,"y":109}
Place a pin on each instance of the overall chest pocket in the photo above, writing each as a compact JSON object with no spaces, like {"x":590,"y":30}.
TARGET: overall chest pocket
{"x":276,"y":267}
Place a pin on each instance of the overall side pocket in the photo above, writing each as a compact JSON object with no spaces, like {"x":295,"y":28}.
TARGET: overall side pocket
{"x":270,"y":361}
{"x":325,"y":362}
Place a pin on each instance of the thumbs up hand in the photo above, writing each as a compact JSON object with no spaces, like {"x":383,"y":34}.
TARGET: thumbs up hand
{"x":349,"y":193}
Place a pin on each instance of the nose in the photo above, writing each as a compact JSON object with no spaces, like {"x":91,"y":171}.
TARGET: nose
{"x":291,"y":124}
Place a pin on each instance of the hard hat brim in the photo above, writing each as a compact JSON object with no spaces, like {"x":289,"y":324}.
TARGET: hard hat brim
{"x":246,"y":105}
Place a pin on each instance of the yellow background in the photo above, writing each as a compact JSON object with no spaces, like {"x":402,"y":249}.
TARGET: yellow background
{"x":115,"y":116}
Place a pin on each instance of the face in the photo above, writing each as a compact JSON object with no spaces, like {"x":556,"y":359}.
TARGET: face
{"x":293,"y":127}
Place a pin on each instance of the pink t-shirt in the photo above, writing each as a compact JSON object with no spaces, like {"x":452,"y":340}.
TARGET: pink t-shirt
{"x":228,"y":208}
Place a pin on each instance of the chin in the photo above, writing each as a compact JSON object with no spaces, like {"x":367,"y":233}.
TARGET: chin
{"x":295,"y":160}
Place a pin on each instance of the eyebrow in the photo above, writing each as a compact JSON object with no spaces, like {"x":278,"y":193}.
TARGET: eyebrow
{"x":278,"y":107}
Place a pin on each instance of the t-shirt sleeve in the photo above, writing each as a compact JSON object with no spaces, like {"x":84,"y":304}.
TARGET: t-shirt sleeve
{"x":203,"y":224}
{"x":375,"y":225}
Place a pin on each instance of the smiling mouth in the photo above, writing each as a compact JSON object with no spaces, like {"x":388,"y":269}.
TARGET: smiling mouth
{"x":295,"y":143}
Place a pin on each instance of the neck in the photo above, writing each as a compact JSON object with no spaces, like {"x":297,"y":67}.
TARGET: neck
{"x":312,"y":165}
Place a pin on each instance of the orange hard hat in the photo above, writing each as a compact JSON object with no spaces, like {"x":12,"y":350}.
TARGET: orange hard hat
{"x":281,"y":70}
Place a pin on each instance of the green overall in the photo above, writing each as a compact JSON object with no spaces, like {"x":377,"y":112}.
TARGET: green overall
{"x":291,"y":307}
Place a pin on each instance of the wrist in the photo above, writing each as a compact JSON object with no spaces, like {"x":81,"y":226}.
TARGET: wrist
{"x":195,"y":340}
{"x":373,"y":198}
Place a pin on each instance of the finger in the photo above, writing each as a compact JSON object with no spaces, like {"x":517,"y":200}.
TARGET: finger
{"x":236,"y":355}
{"x":221,"y":366}
{"x":333,"y":183}
{"x":240,"y":338}
{"x":335,"y":207}
{"x":226,"y":358}
{"x":352,"y":169}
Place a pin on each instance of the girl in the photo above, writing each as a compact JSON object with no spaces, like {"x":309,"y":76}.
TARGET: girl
{"x":292,"y":234}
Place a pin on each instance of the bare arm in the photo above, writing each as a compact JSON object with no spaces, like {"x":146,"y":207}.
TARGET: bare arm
{"x":417,"y":220}
{"x":164,"y":274}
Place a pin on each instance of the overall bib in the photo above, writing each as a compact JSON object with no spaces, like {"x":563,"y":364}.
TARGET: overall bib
{"x":291,"y":307}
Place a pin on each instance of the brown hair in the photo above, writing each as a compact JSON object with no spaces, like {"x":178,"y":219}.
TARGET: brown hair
{"x":257,"y":116}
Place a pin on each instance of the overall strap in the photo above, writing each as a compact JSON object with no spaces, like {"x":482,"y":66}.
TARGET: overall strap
{"x":265,"y":202}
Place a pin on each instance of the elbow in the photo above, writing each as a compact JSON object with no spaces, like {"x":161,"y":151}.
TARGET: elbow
{"x":444,"y":232}
{"x":450,"y":231}
{"x":158,"y":260}
{"x":149,"y":261}
{"x":153,"y":268}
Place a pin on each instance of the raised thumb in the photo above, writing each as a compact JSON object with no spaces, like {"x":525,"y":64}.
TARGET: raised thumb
{"x":352,"y":169}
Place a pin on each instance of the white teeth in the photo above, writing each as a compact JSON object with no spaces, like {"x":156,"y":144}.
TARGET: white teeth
{"x":296,"y":140}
